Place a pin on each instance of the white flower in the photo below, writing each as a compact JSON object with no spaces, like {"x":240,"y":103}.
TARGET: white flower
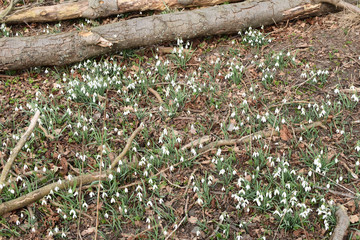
{"x":357,"y":148}
{"x":193,"y":151}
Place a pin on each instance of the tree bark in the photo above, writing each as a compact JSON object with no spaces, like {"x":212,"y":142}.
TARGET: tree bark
{"x":95,"y":8}
{"x":71,"y":47}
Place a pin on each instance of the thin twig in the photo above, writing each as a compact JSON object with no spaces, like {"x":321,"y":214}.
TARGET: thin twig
{"x":351,"y":90}
{"x":347,"y":195}
{"x":342,"y":4}
{"x":156,"y":94}
{"x":337,"y":184}
{"x":349,"y":170}
{"x":196,"y":142}
{"x":43,"y":191}
{"x":172,"y":184}
{"x":17,"y":148}
{"x":217,"y":228}
{"x":78,"y":235}
{"x":263,"y":134}
{"x":100,"y":166}
{"x":140,"y":234}
{"x":164,"y":170}
{"x":186,"y":205}
{"x":7,"y":10}
{"x":127,"y":146}
{"x":293,"y":102}
{"x":46,"y":133}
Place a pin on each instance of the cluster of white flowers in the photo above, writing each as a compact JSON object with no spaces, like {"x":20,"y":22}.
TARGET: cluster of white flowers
{"x":4,"y":31}
{"x":254,"y":37}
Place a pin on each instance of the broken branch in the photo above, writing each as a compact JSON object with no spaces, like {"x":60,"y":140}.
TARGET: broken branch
{"x":342,"y":224}
{"x":17,"y":148}
{"x":156,"y":94}
{"x":263,"y":134}
{"x":84,"y":179}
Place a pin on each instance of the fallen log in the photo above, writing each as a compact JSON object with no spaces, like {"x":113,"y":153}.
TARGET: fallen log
{"x":94,"y":9}
{"x":71,"y":47}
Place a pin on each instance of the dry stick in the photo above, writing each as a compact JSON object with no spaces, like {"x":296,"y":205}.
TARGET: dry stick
{"x":196,"y":142}
{"x":186,"y":205}
{"x":172,"y":184}
{"x":347,"y":195}
{"x":156,"y":94}
{"x":157,"y":174}
{"x":43,"y":191}
{"x":140,"y":234}
{"x":46,"y":133}
{"x":351,"y":90}
{"x":342,"y":224}
{"x":264,"y":134}
{"x":337,"y":184}
{"x":127,"y":146}
{"x":217,"y":228}
{"x":8,"y":9}
{"x":293,"y":102}
{"x":343,"y":5}
{"x":100,"y":166}
{"x":162,"y":171}
{"x":17,"y":148}
{"x":80,"y":192}
{"x":349,"y":170}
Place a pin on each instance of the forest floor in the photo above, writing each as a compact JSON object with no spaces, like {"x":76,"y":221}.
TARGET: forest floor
{"x":287,"y":96}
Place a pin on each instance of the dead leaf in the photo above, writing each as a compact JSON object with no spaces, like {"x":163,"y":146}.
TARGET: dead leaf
{"x":88,"y":231}
{"x":351,"y":205}
{"x":192,"y":219}
{"x":236,"y":149}
{"x":248,"y":178}
{"x":64,"y":166}
{"x":96,"y":116}
{"x":13,"y":218}
{"x":112,"y":156}
{"x":57,"y":131}
{"x":135,"y":68}
{"x":130,"y":108}
{"x":231,"y":127}
{"x":257,"y":218}
{"x":285,"y":134}
{"x":297,"y":232}
{"x":354,"y":218}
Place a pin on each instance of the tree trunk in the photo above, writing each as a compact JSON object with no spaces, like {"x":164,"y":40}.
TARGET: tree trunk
{"x":71,"y":47}
{"x":95,"y":8}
